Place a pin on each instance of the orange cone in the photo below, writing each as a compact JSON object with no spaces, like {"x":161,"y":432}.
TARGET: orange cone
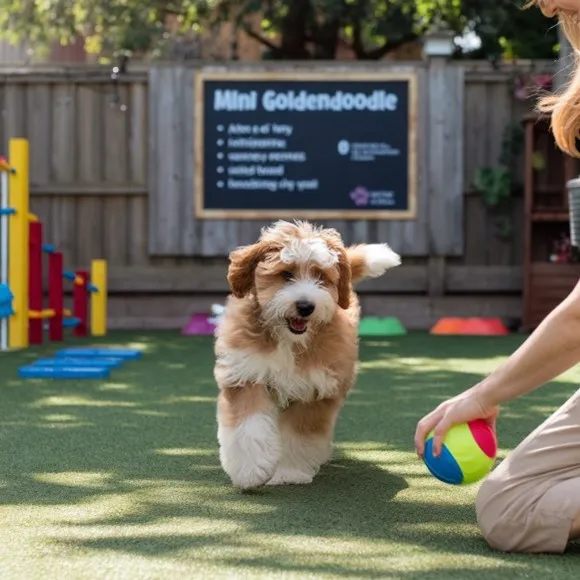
{"x":448,"y":326}
{"x":484,"y":327}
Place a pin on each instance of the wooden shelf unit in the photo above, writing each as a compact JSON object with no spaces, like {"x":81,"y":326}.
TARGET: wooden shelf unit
{"x":546,"y":216}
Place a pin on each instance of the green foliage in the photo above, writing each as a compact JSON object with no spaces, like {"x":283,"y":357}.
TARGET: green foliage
{"x":495,"y":184}
{"x":109,"y":25}
{"x":305,"y":28}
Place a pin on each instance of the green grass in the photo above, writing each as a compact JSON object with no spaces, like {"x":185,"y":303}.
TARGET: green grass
{"x":121,"y":480}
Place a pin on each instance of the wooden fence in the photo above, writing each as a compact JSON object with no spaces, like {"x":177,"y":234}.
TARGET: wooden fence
{"x":112,"y":176}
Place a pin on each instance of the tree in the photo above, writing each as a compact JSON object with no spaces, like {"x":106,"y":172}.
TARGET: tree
{"x":288,"y":29}
{"x":374,"y":28}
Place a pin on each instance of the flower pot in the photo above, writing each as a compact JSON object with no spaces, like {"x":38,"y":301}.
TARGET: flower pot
{"x":573,"y":187}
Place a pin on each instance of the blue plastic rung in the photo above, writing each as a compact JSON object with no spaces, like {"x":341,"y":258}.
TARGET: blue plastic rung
{"x":70,"y":322}
{"x":40,"y":372}
{"x":124,"y":353}
{"x":48,"y":248}
{"x":92,"y":288}
{"x":69,"y":275}
{"x":7,"y":211}
{"x":110,"y":363}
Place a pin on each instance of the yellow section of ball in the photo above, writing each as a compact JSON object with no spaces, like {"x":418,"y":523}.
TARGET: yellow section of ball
{"x":472,"y":461}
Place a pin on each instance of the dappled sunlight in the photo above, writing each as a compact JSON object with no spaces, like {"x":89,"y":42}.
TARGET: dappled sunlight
{"x":187,"y":399}
{"x":377,"y":343}
{"x":60,"y":418}
{"x":116,"y":387}
{"x":187,"y":451}
{"x":426,"y":365}
{"x":78,"y":401}
{"x":151,"y":413}
{"x":175,"y":366}
{"x":123,"y":476}
{"x":75,"y":479}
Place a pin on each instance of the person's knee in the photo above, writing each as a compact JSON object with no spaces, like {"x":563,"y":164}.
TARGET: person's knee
{"x":515,"y":519}
{"x":491,"y":511}
{"x":498,"y":512}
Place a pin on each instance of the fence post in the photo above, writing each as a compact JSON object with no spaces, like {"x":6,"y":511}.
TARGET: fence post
{"x":445,"y":144}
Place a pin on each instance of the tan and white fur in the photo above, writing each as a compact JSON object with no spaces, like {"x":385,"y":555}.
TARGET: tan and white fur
{"x":287,"y":350}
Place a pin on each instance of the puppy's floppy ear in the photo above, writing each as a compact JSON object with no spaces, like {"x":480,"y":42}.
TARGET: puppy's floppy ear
{"x":345,"y":279}
{"x":243,"y":262}
{"x":334,"y":242}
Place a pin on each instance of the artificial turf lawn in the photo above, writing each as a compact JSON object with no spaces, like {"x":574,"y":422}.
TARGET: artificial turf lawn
{"x":120,"y":479}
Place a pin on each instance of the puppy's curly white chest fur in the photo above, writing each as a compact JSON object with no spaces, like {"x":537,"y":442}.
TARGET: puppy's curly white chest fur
{"x":278,"y":371}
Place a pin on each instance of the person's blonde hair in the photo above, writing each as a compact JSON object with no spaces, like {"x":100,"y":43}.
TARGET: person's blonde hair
{"x":564,"y":105}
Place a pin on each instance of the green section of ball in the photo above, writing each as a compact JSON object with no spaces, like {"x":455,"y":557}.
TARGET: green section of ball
{"x":472,"y":461}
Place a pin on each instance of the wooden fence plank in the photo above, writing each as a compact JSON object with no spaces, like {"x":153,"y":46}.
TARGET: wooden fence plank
{"x":63,"y":155}
{"x":411,"y":279}
{"x":89,"y":227}
{"x":189,"y":234}
{"x":3,"y":140}
{"x":14,"y":114}
{"x":499,"y":117}
{"x":445,"y":123}
{"x":39,"y":114}
{"x":98,"y":188}
{"x":477,"y":222}
{"x":137,"y":206}
{"x":164,"y":160}
{"x":116,"y":170}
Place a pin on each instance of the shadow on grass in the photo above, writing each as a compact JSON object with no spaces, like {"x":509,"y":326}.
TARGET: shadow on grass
{"x":137,"y":456}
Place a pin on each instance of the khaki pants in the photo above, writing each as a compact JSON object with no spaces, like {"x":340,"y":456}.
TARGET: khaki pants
{"x":529,"y":502}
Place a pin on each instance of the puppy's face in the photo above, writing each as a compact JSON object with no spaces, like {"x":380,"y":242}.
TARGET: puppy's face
{"x":299,"y":276}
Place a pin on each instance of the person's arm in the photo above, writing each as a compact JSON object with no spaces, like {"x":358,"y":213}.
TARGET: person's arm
{"x":551,"y":349}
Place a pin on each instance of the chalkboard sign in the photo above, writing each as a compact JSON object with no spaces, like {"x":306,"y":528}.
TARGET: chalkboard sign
{"x":311,"y":146}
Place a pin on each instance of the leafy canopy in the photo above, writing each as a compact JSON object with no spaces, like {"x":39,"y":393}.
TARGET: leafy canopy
{"x":289,"y":29}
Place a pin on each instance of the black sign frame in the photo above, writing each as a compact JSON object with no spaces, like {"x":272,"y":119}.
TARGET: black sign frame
{"x":202,"y":212}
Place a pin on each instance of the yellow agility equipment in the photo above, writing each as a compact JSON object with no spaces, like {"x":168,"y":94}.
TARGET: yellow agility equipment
{"x":99,"y":298}
{"x":22,"y":295}
{"x":18,"y":199}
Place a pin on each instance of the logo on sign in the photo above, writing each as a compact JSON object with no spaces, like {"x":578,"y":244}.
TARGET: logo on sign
{"x":343,"y":147}
{"x":360,"y":196}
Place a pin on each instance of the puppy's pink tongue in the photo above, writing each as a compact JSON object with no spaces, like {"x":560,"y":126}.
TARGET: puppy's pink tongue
{"x":298,"y":324}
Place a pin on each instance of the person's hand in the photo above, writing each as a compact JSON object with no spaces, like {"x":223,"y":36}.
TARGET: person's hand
{"x":465,"y":407}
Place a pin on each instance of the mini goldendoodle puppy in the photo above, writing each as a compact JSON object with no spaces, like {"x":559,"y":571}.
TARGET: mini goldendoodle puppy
{"x":287,"y":350}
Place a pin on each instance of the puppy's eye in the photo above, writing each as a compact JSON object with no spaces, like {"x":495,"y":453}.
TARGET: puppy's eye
{"x":287,"y":275}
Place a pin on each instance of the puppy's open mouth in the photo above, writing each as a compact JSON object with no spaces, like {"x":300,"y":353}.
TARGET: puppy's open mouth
{"x":297,"y":325}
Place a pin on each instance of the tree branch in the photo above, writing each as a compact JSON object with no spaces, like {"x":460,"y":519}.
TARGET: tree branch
{"x":357,"y":43}
{"x":261,"y":39}
{"x":379,"y":52}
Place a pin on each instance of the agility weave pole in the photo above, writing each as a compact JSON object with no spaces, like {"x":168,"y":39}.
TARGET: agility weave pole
{"x":22,"y":314}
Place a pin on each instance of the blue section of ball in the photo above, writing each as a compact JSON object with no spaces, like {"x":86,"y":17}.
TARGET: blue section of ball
{"x":444,"y":467}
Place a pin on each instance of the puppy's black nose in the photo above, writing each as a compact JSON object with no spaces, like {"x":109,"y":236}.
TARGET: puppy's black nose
{"x":304,"y":307}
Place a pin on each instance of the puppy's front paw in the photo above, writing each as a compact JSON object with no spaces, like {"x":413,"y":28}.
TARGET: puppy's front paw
{"x":290,"y":476}
{"x":249,"y":453}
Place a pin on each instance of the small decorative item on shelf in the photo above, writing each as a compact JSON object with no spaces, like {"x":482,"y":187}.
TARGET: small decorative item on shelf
{"x":563,"y":252}
{"x":573,"y":187}
{"x":527,"y":85}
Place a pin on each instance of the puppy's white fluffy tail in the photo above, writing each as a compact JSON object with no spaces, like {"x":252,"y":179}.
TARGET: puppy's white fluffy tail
{"x":371,"y":260}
